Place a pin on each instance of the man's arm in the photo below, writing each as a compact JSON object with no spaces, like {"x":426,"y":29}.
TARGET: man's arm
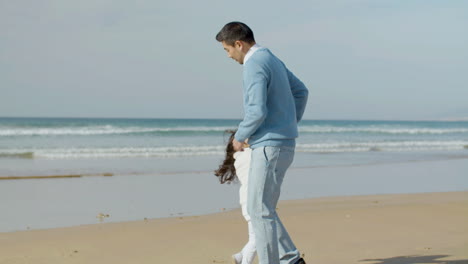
{"x":300,"y":94}
{"x":255,"y":98}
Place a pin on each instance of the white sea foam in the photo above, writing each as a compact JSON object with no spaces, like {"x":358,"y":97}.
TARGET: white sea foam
{"x":100,"y":130}
{"x":116,"y":130}
{"x":187,"y":151}
{"x":381,"y":130}
{"x":80,"y":153}
{"x":382,"y":146}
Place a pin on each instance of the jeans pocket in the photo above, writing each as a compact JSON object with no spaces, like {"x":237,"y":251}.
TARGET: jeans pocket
{"x":265,"y":155}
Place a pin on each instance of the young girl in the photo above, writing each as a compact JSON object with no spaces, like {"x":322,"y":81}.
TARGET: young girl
{"x":238,"y":164}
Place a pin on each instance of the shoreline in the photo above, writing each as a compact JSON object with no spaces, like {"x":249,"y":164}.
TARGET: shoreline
{"x":36,"y":204}
{"x":164,"y":173}
{"x":389,"y":228}
{"x":54,"y":176}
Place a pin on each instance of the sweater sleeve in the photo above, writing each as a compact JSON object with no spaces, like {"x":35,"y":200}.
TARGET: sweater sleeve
{"x":255,"y":99}
{"x":300,"y":94}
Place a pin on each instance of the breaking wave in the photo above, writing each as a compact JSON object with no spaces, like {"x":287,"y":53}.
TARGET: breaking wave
{"x":193,"y":151}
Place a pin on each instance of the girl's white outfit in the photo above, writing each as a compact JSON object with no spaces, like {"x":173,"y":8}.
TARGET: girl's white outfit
{"x":242,"y":165}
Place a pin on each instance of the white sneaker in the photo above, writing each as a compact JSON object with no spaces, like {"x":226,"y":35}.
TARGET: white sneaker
{"x":236,"y":258}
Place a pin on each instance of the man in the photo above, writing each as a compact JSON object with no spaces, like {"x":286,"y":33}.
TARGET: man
{"x":274,"y":102}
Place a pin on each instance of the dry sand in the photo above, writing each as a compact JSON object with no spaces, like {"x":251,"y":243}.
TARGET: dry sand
{"x":384,"y":229}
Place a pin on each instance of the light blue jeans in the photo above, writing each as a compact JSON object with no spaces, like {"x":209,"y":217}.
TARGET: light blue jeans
{"x":267,"y":169}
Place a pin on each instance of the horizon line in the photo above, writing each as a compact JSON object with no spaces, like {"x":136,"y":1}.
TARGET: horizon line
{"x":454,"y":119}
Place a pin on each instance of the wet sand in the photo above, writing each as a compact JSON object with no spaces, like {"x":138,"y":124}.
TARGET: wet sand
{"x":27,"y":204}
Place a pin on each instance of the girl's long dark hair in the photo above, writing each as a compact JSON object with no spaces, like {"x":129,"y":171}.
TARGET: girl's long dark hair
{"x":226,"y":171}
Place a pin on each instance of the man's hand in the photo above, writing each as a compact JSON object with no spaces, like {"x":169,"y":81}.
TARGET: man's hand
{"x":238,"y":146}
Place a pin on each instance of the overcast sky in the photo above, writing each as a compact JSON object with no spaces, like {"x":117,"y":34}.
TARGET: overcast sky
{"x":108,"y":58}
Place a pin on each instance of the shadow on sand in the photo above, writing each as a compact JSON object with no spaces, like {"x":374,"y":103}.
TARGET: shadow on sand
{"x":436,"y":259}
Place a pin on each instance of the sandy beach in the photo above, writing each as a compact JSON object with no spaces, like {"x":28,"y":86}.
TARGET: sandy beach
{"x":384,"y":229}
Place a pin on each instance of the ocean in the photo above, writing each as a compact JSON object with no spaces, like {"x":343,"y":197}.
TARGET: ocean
{"x":52,"y":169}
{"x":61,"y":146}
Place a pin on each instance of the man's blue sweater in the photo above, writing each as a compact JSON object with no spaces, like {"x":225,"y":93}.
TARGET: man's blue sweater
{"x":274,"y":102}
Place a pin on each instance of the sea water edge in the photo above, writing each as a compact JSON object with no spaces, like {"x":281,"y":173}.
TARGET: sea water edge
{"x":333,"y":158}
{"x":94,"y":146}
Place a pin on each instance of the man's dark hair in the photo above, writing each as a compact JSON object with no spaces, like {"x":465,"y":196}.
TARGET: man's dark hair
{"x":235,"y":31}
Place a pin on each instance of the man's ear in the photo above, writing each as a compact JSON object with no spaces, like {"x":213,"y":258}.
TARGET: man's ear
{"x":238,"y":44}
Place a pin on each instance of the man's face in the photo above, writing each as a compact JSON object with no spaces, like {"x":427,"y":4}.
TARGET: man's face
{"x":234,"y":52}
